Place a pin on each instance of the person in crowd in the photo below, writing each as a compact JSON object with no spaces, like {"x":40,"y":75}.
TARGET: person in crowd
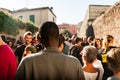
{"x":29,"y":50}
{"x":72,"y":41}
{"x":46,"y":65}
{"x":11,"y":45}
{"x":108,"y":41}
{"x":19,"y":41}
{"x":68,"y":42}
{"x":33,"y":42}
{"x":98,"y":64}
{"x":61,"y":43}
{"x":76,"y":49}
{"x":38,"y":43}
{"x":63,"y":47}
{"x":98,"y":43}
{"x":73,"y":38}
{"x":20,"y":49}
{"x":89,"y":55}
{"x":85,"y":42}
{"x":113,"y":61}
{"x":66,"y":48}
{"x":4,"y":38}
{"x":90,"y":40}
{"x":8,"y":64}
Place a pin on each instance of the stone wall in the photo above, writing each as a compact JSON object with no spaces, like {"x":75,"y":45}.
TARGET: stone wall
{"x":109,"y":23}
{"x":93,"y":12}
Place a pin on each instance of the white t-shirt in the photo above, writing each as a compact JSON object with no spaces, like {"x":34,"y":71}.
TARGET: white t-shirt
{"x":98,"y":64}
{"x":90,"y":76}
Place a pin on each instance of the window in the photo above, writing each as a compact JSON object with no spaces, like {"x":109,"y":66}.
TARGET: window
{"x":53,"y":19}
{"x":20,"y":17}
{"x":32,"y":18}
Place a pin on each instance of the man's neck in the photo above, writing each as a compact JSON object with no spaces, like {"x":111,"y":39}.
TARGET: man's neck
{"x":27,"y":44}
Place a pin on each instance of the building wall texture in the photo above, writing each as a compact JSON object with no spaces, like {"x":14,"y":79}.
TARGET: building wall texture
{"x":93,"y":12}
{"x":109,"y":24}
{"x":41,"y":15}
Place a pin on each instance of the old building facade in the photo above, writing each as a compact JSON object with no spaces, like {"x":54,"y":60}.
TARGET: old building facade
{"x":106,"y":23}
{"x":36,"y":15}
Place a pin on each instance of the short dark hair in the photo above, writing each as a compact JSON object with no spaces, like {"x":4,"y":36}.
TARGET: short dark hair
{"x":48,"y":31}
{"x":78,"y":40}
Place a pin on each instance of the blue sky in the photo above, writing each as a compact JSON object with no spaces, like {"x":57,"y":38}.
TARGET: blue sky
{"x":67,"y":11}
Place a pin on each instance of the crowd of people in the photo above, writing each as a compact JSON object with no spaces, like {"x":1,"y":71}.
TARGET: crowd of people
{"x":49,"y":56}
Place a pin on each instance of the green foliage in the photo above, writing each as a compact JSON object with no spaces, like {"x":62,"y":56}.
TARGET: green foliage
{"x":2,"y":16}
{"x":67,"y":33}
{"x":11,"y":26}
{"x":31,"y":27}
{"x":8,"y":25}
{"x":21,"y":24}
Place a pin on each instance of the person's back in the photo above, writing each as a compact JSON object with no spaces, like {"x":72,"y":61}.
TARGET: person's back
{"x":8,"y":64}
{"x":49,"y":64}
{"x":113,"y":61}
{"x":98,"y":64}
{"x":76,"y":49}
{"x":89,"y":54}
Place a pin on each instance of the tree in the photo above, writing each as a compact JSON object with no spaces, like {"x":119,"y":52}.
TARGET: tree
{"x":11,"y":26}
{"x":67,"y":33}
{"x":31,"y":27}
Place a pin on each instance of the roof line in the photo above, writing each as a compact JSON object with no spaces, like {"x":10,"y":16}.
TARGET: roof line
{"x":26,"y":9}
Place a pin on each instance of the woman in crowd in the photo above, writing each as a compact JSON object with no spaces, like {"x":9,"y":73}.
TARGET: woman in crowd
{"x":108,"y":41}
{"x":98,"y":43}
{"x":89,"y":55}
{"x":113,"y":60}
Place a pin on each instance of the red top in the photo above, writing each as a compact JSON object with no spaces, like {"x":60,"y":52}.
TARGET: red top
{"x":8,"y":65}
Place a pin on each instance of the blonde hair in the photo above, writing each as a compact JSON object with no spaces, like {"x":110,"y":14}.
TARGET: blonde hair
{"x":108,"y":41}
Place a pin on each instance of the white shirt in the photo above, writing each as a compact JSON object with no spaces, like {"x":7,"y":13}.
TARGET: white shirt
{"x":90,"y":76}
{"x":98,"y":64}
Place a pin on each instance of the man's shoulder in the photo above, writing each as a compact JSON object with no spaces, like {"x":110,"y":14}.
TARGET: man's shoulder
{"x":71,"y":58}
{"x":31,"y":57}
{"x":21,"y":46}
{"x":20,"y":49}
